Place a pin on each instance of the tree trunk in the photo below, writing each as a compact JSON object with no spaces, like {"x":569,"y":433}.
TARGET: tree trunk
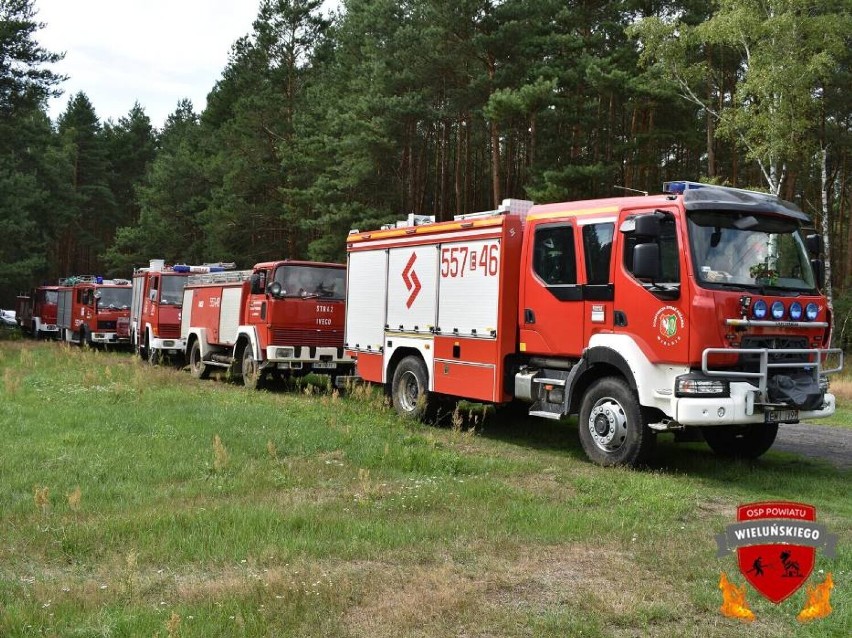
{"x":826,"y":222}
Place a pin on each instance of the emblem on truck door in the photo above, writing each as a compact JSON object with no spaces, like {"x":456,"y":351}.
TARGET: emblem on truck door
{"x":411,"y":280}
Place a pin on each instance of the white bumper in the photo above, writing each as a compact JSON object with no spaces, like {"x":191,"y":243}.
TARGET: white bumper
{"x":738,"y":409}
{"x":303,"y":357}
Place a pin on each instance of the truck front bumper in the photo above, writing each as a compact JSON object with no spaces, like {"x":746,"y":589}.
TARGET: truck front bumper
{"x":739,"y":408}
{"x":172,"y":346}
{"x":109,"y":338}
{"x":322,"y":359}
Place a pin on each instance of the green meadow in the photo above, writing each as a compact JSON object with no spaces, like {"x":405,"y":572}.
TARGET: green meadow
{"x":136,"y":501}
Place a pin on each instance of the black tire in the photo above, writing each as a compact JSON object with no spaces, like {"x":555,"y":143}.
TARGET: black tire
{"x":612,"y":427}
{"x":741,"y":441}
{"x":250,"y":369}
{"x":410,"y":389}
{"x":197,"y":367}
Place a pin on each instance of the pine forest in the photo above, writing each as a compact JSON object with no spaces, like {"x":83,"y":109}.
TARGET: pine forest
{"x":323,"y":122}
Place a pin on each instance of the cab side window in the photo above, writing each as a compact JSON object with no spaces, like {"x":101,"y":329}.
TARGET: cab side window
{"x":597,"y":245}
{"x":669,"y":252}
{"x":554,"y":260}
{"x":155,"y":283}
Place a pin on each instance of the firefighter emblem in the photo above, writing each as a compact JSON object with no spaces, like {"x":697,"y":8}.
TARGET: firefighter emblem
{"x":412,"y":282}
{"x":776,"y":545}
{"x":669,"y":322}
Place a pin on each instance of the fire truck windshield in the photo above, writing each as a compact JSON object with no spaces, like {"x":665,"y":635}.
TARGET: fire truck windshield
{"x":50,"y":297}
{"x":742,"y":251}
{"x":171,"y":293}
{"x":114,"y":298}
{"x":311,"y":281}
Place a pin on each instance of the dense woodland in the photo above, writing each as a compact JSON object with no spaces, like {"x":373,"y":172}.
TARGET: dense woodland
{"x":321,"y":123}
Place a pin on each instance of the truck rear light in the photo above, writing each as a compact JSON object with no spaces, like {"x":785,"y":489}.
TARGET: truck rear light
{"x":701,"y":387}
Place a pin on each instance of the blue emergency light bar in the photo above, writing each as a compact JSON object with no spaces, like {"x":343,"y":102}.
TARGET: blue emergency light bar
{"x":679,"y":187}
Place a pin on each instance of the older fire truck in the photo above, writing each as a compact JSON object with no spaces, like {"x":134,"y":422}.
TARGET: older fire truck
{"x":155,"y":312}
{"x":36,"y":312}
{"x":92,"y":310}
{"x":604,"y":309}
{"x":280,"y":318}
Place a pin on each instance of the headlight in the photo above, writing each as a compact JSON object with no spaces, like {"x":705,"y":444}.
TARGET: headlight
{"x":284,"y":353}
{"x":811,"y":311}
{"x":777,"y":310}
{"x":796,"y":311}
{"x":701,"y":387}
{"x":758,"y":309}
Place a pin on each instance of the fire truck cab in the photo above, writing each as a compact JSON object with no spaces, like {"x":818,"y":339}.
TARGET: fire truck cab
{"x":282,"y":318}
{"x":36,"y":312}
{"x":94,"y":311}
{"x":696,"y":308}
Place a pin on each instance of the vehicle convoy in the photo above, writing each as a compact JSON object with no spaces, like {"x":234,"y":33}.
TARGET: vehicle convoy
{"x":155,"y":310}
{"x":36,"y":312}
{"x":605,"y":309}
{"x":283,"y":318}
{"x":92,"y":310}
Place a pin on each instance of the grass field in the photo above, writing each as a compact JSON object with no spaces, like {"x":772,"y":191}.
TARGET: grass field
{"x":140,"y":502}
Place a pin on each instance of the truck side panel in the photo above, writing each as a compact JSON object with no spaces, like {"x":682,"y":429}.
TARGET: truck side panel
{"x":366,"y":300}
{"x":412,"y":285}
{"x":229,"y":314}
{"x":470,"y":285}
{"x":63,"y":309}
{"x":186,"y":312}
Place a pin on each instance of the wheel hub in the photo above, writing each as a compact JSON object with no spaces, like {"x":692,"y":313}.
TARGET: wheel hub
{"x":608,"y":424}
{"x":410,"y":391}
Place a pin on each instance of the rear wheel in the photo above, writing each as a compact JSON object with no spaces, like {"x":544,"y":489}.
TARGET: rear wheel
{"x":197,"y":367}
{"x":252,"y":375}
{"x":741,"y":441}
{"x":612,"y":428}
{"x":410,"y":389}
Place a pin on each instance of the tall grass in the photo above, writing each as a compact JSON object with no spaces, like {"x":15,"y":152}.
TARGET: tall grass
{"x":137,"y":501}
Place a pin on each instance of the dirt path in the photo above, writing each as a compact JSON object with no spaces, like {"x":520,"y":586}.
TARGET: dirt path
{"x":831,"y":444}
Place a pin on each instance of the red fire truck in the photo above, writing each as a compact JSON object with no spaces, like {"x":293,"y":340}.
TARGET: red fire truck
{"x":94,"y":311}
{"x":281,"y":318}
{"x":36,"y":312}
{"x":156,"y":308}
{"x":608,"y":309}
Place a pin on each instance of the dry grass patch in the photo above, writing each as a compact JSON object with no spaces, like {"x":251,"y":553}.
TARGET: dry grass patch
{"x":842,"y":389}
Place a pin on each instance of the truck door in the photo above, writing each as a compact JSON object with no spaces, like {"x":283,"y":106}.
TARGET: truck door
{"x":598,"y":290}
{"x":650,"y":306}
{"x":551,"y":312}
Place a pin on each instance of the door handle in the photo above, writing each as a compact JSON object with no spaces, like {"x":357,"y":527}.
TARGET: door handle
{"x":529,"y":316}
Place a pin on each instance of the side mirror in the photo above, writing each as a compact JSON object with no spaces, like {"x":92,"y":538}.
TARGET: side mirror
{"x":818,"y":266}
{"x":814,"y":244}
{"x":647,"y":226}
{"x":275,"y":289}
{"x":646,"y":261}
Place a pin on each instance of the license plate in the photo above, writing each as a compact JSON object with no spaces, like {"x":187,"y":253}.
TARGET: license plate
{"x":781,"y":416}
{"x":325,"y":365}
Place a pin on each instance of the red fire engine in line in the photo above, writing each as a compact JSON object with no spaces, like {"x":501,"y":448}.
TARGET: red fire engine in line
{"x":92,"y":310}
{"x":281,"y":318}
{"x":609,"y":309}
{"x":36,"y":312}
{"x":155,"y":312}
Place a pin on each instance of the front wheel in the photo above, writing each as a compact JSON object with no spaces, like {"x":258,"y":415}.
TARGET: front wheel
{"x":252,"y":375}
{"x":740,"y":441}
{"x":410,"y":389}
{"x":197,"y":367}
{"x":612,"y":428}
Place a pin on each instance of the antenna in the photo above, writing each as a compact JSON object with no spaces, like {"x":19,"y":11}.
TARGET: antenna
{"x":632,"y":190}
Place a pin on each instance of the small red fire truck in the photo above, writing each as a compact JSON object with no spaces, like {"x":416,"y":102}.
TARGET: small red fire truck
{"x":156,"y":308}
{"x":92,"y":310}
{"x":36,"y":312}
{"x":614,"y":310}
{"x":281,"y":318}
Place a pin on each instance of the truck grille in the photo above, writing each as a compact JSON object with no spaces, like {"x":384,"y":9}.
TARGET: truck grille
{"x":293,"y":337}
{"x":169,"y":331}
{"x":773,"y":343}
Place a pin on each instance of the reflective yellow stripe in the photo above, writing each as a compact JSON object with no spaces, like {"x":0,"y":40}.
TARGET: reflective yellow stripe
{"x":574,"y":213}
